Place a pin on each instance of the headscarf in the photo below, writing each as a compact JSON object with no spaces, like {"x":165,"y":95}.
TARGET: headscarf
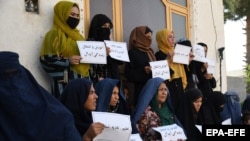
{"x":139,"y":40}
{"x":96,"y":32}
{"x":104,"y":90}
{"x":165,"y":47}
{"x":61,"y":39}
{"x":145,"y":96}
{"x":188,"y":116}
{"x":164,"y":112}
{"x":232,"y":107}
{"x":73,"y":97}
{"x":28,"y":111}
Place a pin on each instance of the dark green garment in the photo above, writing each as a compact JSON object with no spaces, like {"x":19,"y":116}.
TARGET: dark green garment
{"x":164,"y":112}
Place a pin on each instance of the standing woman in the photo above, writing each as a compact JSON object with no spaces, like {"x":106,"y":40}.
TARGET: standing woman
{"x":80,"y":98}
{"x":59,"y":55}
{"x":178,"y":80}
{"x":100,"y":30}
{"x":140,"y":54}
{"x":111,"y":97}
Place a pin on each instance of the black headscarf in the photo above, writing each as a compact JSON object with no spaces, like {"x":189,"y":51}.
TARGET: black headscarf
{"x":73,"y":97}
{"x":96,"y":32}
{"x":29,"y":112}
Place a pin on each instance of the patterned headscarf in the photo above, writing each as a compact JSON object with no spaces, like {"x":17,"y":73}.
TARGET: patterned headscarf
{"x":139,"y":40}
{"x":61,"y":39}
{"x":165,"y":47}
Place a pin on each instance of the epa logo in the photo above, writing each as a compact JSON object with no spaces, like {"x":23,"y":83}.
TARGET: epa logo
{"x":227,"y":132}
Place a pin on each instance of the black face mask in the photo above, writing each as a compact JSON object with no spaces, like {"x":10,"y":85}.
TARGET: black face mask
{"x":72,"y":22}
{"x":103,"y":34}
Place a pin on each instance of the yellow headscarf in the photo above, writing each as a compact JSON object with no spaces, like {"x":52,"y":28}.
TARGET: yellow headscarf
{"x":61,"y":39}
{"x":165,"y":47}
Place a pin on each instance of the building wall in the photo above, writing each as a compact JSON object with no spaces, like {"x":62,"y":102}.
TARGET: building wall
{"x":207,"y":25}
{"x":23,"y":32}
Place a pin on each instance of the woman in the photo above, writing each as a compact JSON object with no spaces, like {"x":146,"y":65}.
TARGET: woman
{"x":28,"y":111}
{"x":178,"y":79}
{"x":189,"y":114}
{"x":59,"y":55}
{"x":111,"y":97}
{"x":232,"y":108}
{"x":100,"y":30}
{"x":154,"y":109}
{"x":138,"y":70}
{"x":80,"y":98}
{"x":207,"y":81}
{"x":212,"y":107}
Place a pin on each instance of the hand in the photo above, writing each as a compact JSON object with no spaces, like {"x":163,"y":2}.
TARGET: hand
{"x":94,"y":129}
{"x":170,"y":55}
{"x":108,"y":50}
{"x":75,"y":60}
{"x":208,"y":76}
{"x":147,"y":69}
{"x":191,"y":56}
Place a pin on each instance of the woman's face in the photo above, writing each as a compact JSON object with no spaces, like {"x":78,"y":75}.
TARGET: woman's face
{"x":171,"y":39}
{"x":90,"y":103}
{"x":162,"y":93}
{"x":114,"y":97}
{"x":149,"y":35}
{"x":197,"y":104}
{"x":74,"y":12}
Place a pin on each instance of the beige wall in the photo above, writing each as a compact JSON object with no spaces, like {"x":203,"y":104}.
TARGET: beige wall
{"x":23,"y":32}
{"x":207,"y":25}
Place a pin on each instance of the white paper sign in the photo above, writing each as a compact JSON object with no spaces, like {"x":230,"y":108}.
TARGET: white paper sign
{"x":199,"y":53}
{"x":117,"y":126}
{"x":160,"y":69}
{"x":227,"y":122}
{"x":199,"y":127}
{"x":181,"y":54}
{"x":92,"y":52}
{"x":135,"y":137}
{"x":118,"y":50}
{"x":211,"y":65}
{"x":171,"y":132}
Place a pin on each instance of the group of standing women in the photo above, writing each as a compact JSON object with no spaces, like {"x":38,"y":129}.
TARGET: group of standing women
{"x":83,"y":87}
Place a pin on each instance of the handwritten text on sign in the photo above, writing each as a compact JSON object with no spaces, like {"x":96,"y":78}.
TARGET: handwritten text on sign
{"x":118,"y":50}
{"x":181,"y":54}
{"x":117,"y":125}
{"x":171,"y":132}
{"x":160,"y":69}
{"x":92,"y":52}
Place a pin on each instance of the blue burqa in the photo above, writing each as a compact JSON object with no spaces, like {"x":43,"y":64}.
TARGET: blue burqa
{"x":28,"y":112}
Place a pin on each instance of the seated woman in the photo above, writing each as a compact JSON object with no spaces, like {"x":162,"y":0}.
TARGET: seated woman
{"x":80,"y":98}
{"x":246,"y":118}
{"x":111,"y":97}
{"x":232,"y":107}
{"x":28,"y":111}
{"x":188,"y":114}
{"x":154,"y":109}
